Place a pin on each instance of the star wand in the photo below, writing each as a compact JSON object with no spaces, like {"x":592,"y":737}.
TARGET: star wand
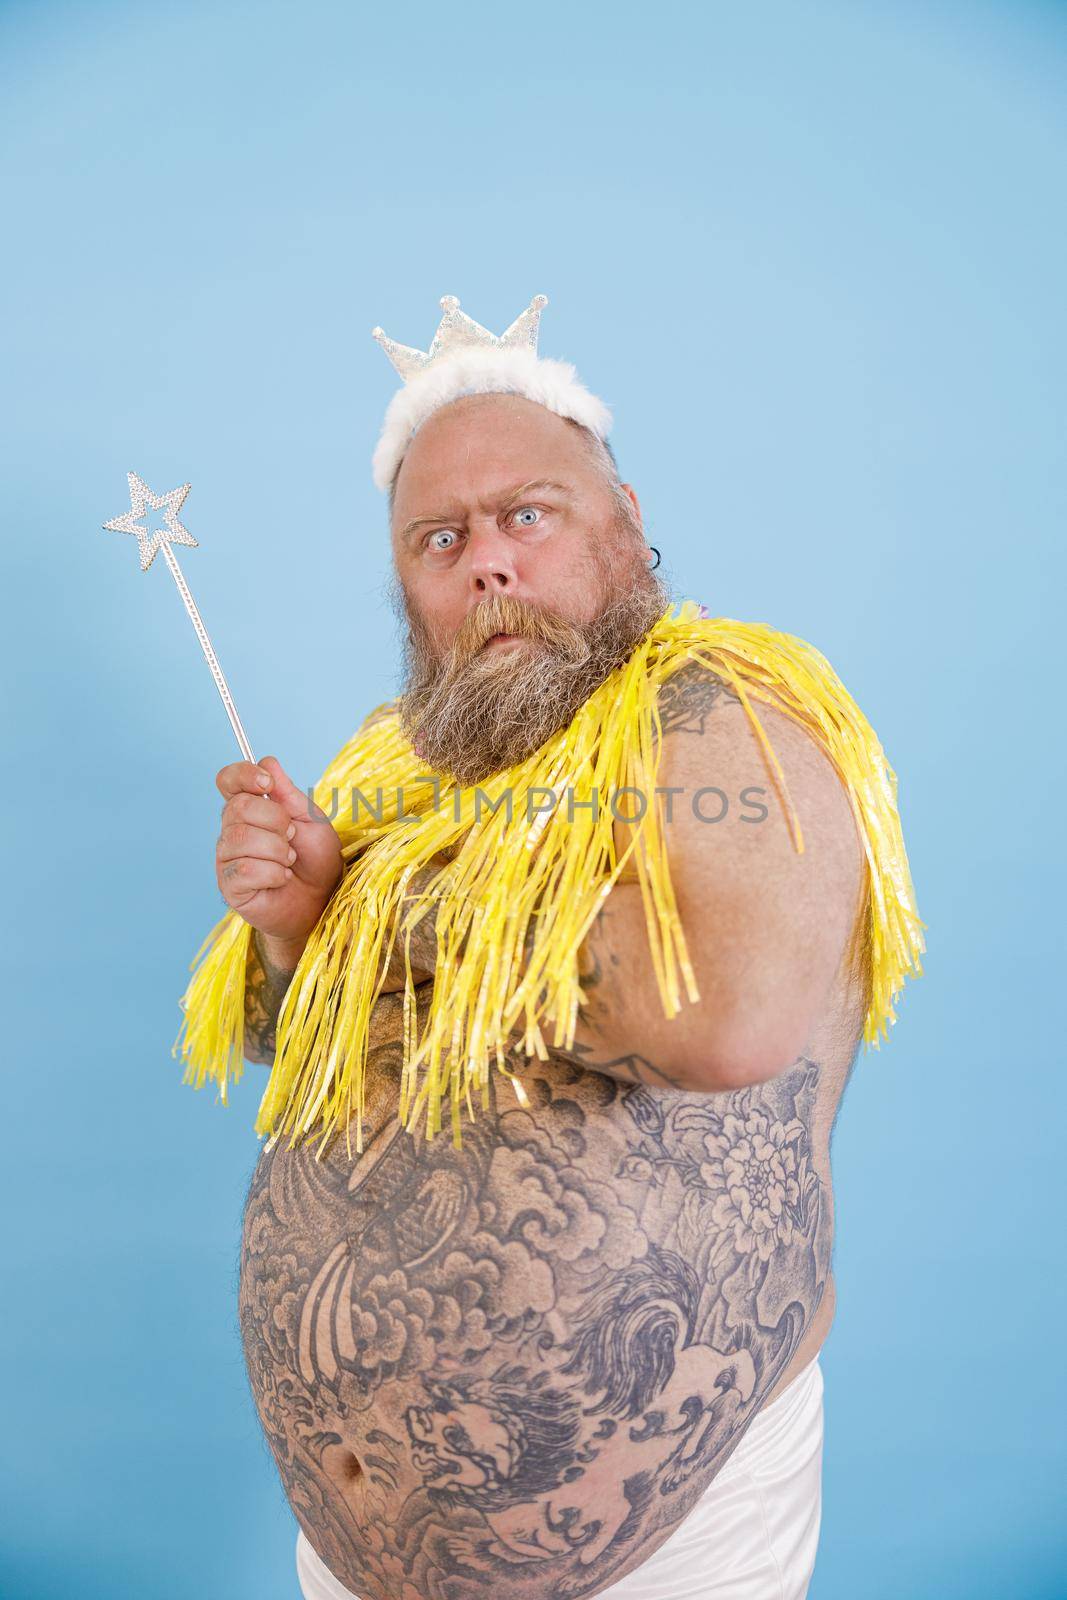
{"x":149,"y":542}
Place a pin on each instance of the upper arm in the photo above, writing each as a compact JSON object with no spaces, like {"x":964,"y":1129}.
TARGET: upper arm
{"x":766,"y":927}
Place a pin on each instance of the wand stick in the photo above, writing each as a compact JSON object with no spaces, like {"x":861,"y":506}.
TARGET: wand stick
{"x":141,"y":498}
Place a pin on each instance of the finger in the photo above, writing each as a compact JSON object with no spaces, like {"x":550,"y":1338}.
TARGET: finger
{"x":261,"y":843}
{"x":243,"y":777}
{"x":255,"y":811}
{"x":242,"y":877}
{"x":285,"y":791}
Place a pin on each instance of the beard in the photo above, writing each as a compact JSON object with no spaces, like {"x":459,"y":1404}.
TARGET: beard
{"x":471,"y":709}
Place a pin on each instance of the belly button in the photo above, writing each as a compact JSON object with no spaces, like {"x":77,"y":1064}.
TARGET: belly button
{"x":342,"y":1465}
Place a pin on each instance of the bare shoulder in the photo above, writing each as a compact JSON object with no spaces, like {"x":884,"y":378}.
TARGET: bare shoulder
{"x":690,"y":696}
{"x":760,"y":758}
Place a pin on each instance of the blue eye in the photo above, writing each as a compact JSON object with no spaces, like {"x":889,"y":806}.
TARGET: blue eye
{"x":430,"y":545}
{"x":527,"y":511}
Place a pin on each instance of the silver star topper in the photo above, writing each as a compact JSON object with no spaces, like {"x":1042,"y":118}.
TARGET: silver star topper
{"x":141,"y":499}
{"x":149,"y":542}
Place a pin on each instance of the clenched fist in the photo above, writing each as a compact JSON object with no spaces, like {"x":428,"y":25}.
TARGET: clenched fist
{"x":278,"y":858}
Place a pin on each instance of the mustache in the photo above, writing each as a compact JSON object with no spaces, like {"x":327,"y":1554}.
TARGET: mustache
{"x":504,"y":613}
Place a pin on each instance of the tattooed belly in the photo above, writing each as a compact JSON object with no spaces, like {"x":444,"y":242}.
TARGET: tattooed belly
{"x":526,"y":1360}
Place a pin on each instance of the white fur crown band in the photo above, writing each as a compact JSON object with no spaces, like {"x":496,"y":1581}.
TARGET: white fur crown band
{"x":465,"y":358}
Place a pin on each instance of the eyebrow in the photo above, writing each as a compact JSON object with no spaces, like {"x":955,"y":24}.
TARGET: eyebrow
{"x":505,"y":498}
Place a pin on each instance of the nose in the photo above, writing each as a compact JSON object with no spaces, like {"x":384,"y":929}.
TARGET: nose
{"x":491,"y":561}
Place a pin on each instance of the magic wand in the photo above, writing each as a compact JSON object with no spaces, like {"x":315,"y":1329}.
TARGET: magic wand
{"x":148,"y":542}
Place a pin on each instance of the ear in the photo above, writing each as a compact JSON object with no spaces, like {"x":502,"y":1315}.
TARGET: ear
{"x":628,"y":491}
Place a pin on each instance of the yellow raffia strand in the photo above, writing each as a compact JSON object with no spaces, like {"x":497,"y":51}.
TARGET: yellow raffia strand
{"x":546,"y":870}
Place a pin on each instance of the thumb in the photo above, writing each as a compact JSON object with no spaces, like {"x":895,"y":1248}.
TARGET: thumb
{"x":285,"y":792}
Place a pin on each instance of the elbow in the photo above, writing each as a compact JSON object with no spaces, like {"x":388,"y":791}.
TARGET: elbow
{"x":734,"y":1055}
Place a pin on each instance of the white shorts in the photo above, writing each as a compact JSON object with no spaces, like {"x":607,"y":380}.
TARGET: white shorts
{"x":753,"y":1536}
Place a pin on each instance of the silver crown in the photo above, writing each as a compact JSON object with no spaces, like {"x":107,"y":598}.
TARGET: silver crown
{"x":457,"y":331}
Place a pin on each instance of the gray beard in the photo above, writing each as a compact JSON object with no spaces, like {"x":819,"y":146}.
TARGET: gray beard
{"x":470,"y":711}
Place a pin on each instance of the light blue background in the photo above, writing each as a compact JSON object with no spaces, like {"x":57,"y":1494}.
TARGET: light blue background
{"x":814,"y":256}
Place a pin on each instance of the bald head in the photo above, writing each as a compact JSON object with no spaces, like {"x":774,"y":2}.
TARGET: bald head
{"x":600,"y":453}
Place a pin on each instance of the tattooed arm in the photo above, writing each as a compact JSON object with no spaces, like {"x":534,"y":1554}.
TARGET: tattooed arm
{"x":268,"y":970}
{"x":765,"y":926}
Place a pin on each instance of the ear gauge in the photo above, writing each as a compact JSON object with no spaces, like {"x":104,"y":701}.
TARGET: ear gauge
{"x":654,"y":564}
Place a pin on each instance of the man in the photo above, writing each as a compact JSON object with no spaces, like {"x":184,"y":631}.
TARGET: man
{"x":578,"y":1356}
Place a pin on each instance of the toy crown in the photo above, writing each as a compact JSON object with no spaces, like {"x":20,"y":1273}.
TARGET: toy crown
{"x":465,"y":358}
{"x":457,"y":331}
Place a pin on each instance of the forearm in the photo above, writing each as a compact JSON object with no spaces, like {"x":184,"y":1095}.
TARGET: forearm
{"x":621,"y":1029}
{"x":422,"y":948}
{"x":740,"y":1030}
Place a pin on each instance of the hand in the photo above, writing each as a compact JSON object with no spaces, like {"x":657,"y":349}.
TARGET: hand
{"x":262,"y":828}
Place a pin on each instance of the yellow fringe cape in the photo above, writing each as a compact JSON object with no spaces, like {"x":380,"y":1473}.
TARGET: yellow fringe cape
{"x":556,"y":865}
